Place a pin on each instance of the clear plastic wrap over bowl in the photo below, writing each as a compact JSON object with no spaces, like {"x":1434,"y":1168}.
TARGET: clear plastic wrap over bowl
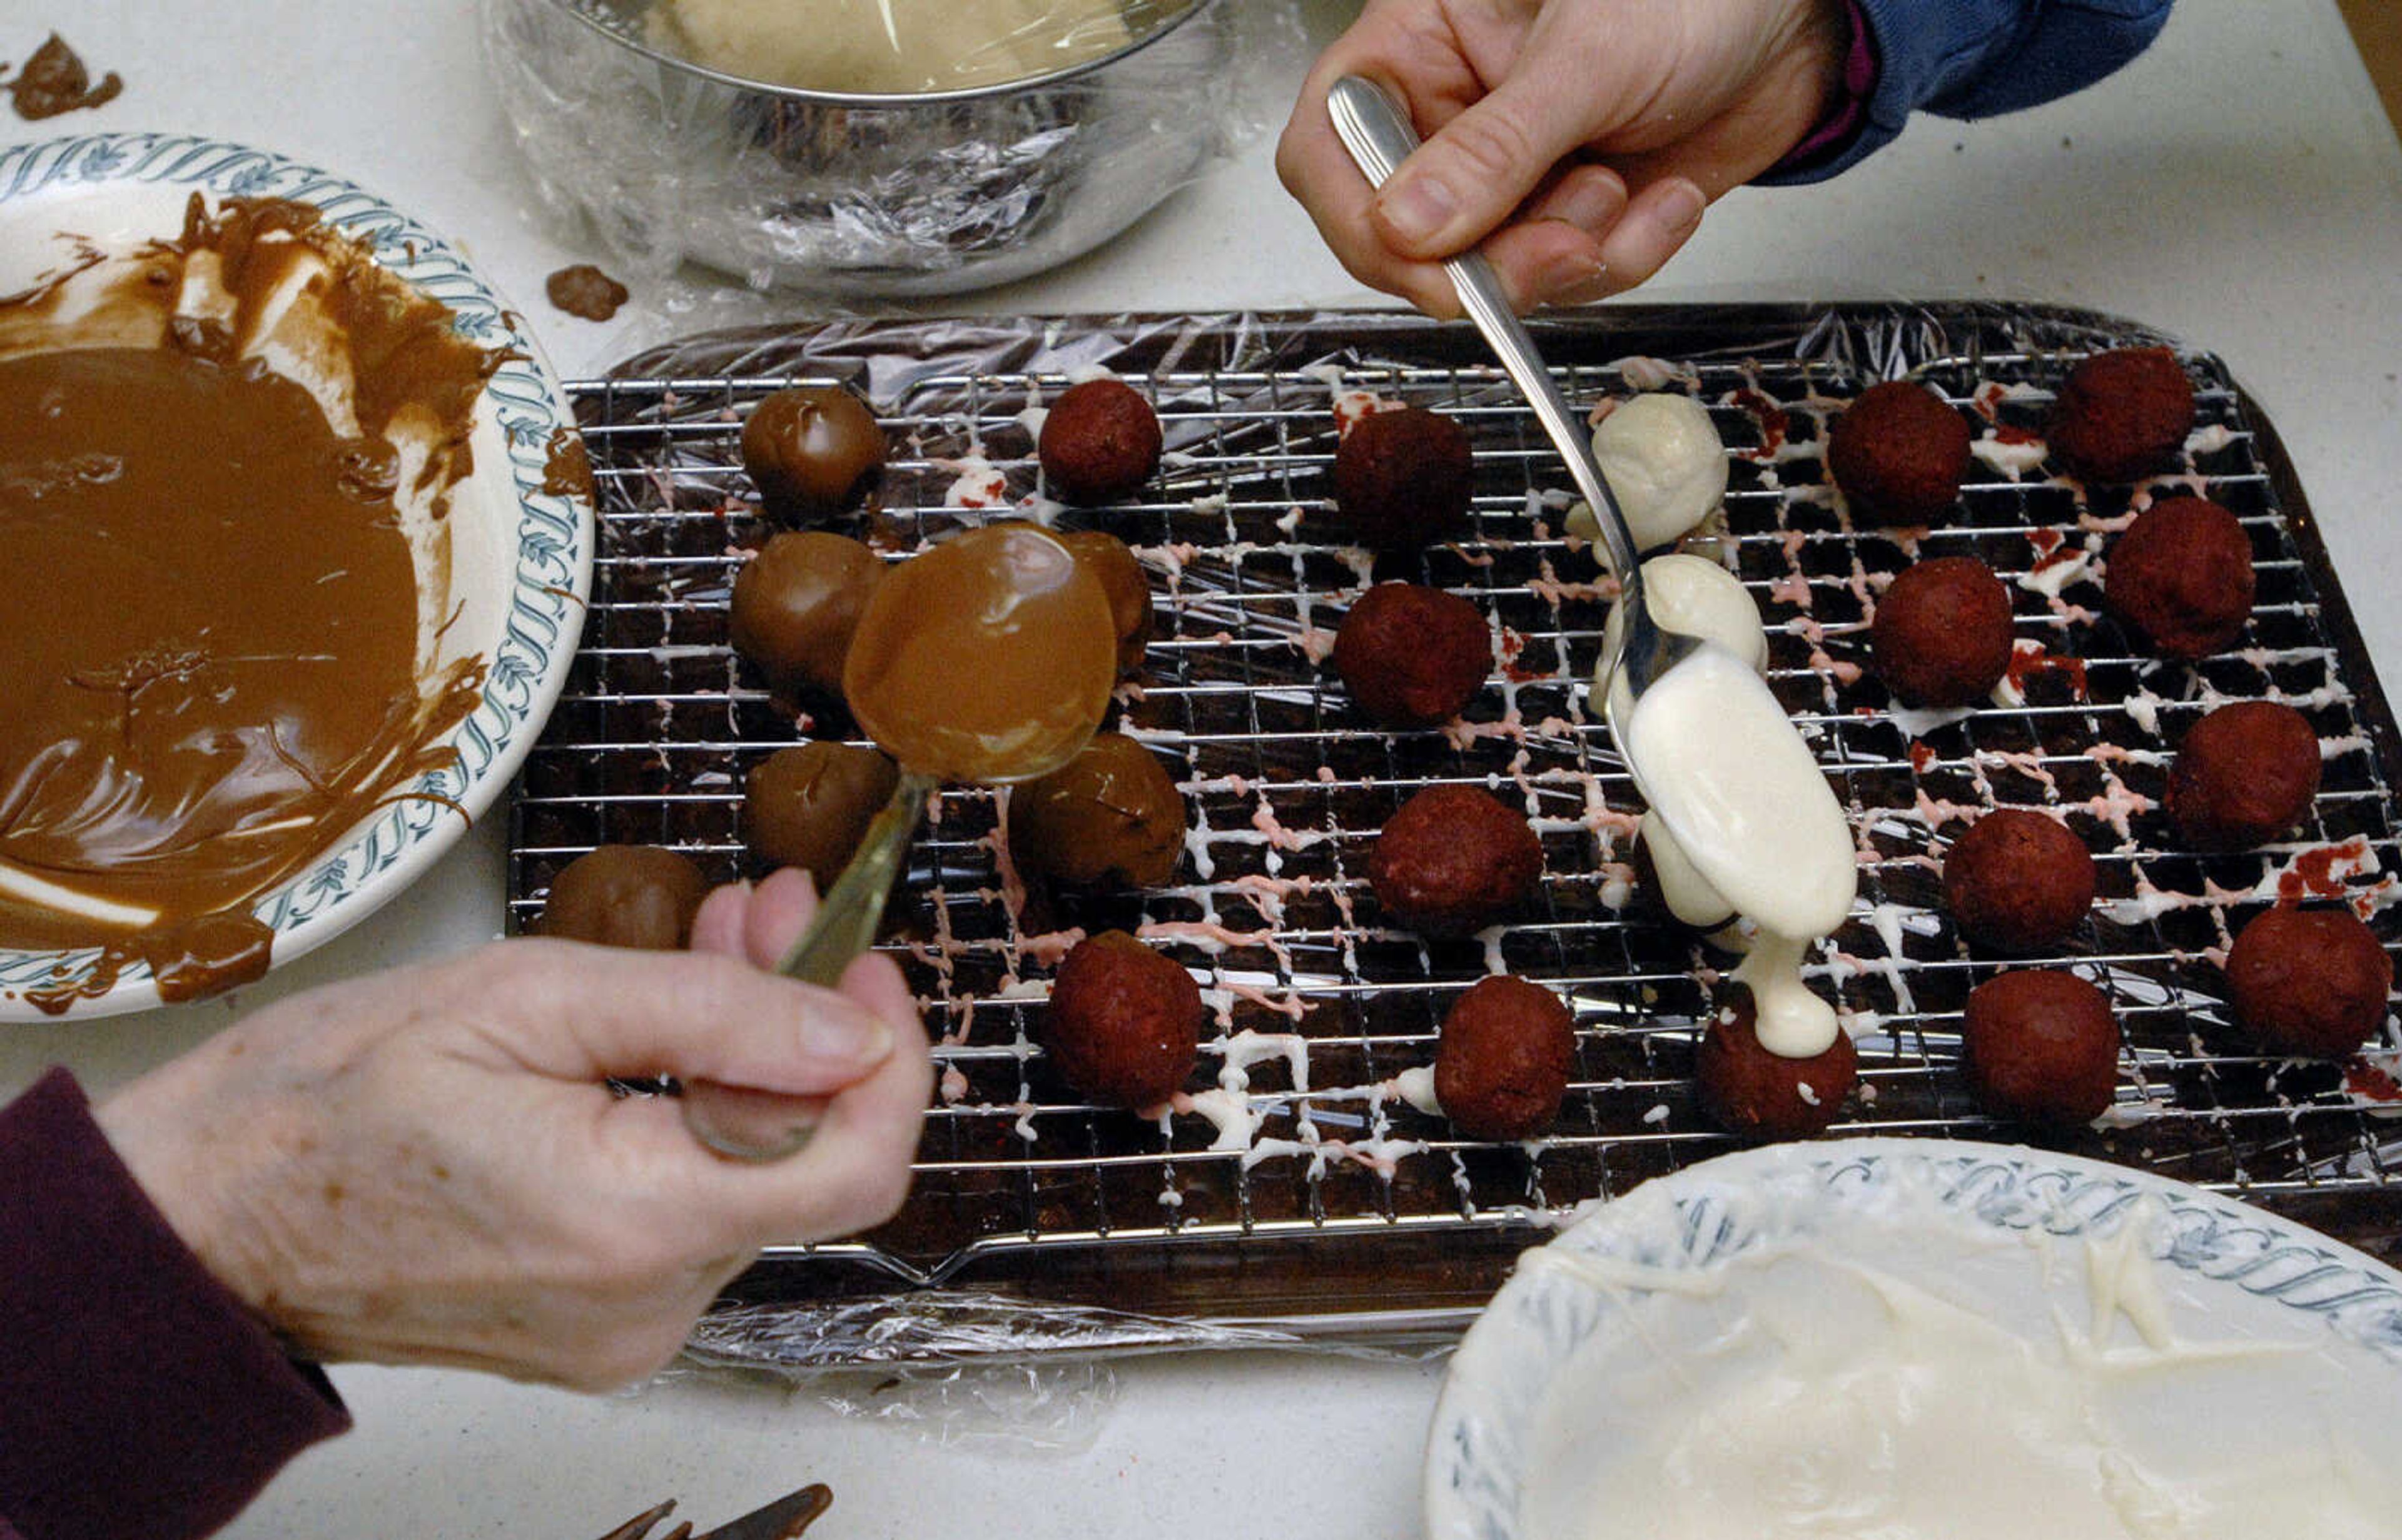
{"x":850,"y":195}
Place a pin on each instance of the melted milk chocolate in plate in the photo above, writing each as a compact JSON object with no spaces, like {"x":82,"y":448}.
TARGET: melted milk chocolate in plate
{"x":220,"y":658}
{"x":989,"y":658}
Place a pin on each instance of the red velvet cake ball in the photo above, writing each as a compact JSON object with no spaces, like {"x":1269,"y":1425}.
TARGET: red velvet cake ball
{"x":1900,"y":452}
{"x":2181,"y":577}
{"x":2120,"y":415}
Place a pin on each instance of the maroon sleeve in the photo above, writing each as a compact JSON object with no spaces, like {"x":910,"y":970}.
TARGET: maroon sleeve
{"x":137,"y":1396}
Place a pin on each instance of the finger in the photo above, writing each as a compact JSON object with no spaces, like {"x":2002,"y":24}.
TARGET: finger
{"x":1659,"y":220}
{"x":856,"y":1170}
{"x":1472,"y":174}
{"x":781,"y":909}
{"x":717,"y":926}
{"x":1318,"y":171}
{"x":1590,"y":196}
{"x":587,"y":1013}
{"x":1541,"y":259}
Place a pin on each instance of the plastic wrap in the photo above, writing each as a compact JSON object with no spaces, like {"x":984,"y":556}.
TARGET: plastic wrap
{"x":1297,"y":1198}
{"x":661,"y":159}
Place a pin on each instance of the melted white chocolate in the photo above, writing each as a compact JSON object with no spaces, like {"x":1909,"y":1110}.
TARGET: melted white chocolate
{"x":1725,"y":769}
{"x":1799,"y":1390}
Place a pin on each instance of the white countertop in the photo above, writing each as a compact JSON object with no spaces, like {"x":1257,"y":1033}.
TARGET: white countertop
{"x":2238,"y":187}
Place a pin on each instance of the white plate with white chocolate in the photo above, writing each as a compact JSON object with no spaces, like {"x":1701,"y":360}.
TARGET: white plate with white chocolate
{"x":1900,"y":1339}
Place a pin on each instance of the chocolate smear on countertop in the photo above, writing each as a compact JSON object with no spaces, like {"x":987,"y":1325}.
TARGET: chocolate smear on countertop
{"x":586,"y":292}
{"x":220,"y":652}
{"x":55,"y":80}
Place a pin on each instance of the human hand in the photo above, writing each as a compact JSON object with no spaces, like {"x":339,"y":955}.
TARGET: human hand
{"x":1579,"y":139}
{"x":424,"y":1166}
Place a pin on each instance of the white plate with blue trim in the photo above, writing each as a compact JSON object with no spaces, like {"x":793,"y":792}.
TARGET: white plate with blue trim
{"x":521,"y":556}
{"x":2245,"y":1361}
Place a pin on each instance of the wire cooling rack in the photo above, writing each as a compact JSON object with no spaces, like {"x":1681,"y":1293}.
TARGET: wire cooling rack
{"x":1296,"y":1185}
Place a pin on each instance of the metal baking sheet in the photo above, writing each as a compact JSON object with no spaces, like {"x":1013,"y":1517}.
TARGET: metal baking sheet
{"x":1295,"y":1196}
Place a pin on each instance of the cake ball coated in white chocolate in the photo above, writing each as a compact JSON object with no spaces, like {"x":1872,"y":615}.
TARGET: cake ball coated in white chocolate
{"x":1665,"y":464}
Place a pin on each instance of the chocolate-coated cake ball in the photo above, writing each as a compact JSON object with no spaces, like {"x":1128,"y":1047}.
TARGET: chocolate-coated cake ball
{"x":1402,"y":479}
{"x":812,"y":451}
{"x":2042,"y":1046}
{"x":809,"y":805}
{"x":1108,"y":559}
{"x":1755,"y":1093}
{"x":1502,"y":1065}
{"x":2244,"y":773}
{"x":2181,"y":576}
{"x":2018,"y":881}
{"x":1452,"y":861}
{"x":2311,"y":983}
{"x":1112,"y":814}
{"x":2121,"y":414}
{"x":1100,"y":441}
{"x":1413,"y":657}
{"x":626,"y":894}
{"x":1124,"y":1023}
{"x":1900,"y":452}
{"x":796,"y":605}
{"x":1942,"y":637}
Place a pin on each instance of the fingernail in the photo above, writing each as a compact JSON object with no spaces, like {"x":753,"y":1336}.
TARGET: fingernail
{"x":1680,"y":208}
{"x":861,"y":1036}
{"x":1588,"y":206}
{"x":1573,"y":278}
{"x":1417,"y":207}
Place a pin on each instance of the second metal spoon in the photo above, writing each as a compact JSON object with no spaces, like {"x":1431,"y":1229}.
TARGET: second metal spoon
{"x":1377,"y":133}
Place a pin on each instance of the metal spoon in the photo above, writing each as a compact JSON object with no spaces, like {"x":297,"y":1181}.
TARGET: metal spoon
{"x":1377,"y":133}
{"x":744,"y":1124}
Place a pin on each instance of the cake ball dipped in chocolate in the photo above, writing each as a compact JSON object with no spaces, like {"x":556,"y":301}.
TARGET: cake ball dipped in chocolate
{"x":811,"y":450}
{"x":2041,"y":1047}
{"x":2181,"y":578}
{"x":1124,"y":1027}
{"x":2246,"y":774}
{"x":1413,"y":657}
{"x":1101,"y":442}
{"x":1502,"y":1065}
{"x":796,"y":606}
{"x":989,"y":658}
{"x":1756,"y":1094}
{"x":1120,"y":576}
{"x":1899,"y":452}
{"x":2018,"y":881}
{"x":2120,"y":415}
{"x":1110,"y":814}
{"x":636,"y":896}
{"x":1403,"y":479}
{"x":1452,"y":861}
{"x":810,"y":805}
{"x":1666,"y":466}
{"x":2311,"y":982}
{"x":1942,"y":637}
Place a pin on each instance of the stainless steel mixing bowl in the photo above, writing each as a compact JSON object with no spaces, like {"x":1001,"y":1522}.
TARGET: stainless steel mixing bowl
{"x":851,"y":195}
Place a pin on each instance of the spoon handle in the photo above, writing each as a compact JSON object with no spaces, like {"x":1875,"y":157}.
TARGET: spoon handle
{"x":1377,"y":133}
{"x":744,"y":1124}
{"x":846,"y":922}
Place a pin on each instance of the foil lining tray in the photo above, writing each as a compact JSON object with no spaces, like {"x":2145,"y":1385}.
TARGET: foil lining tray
{"x":1295,"y":1196}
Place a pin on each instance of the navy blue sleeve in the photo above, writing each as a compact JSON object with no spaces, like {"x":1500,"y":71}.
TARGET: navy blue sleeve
{"x":1978,"y":58}
{"x":138,"y":1399}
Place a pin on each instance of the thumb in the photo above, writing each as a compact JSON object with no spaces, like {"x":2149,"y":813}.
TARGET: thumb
{"x":586,"y":1012}
{"x":1462,"y":184}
